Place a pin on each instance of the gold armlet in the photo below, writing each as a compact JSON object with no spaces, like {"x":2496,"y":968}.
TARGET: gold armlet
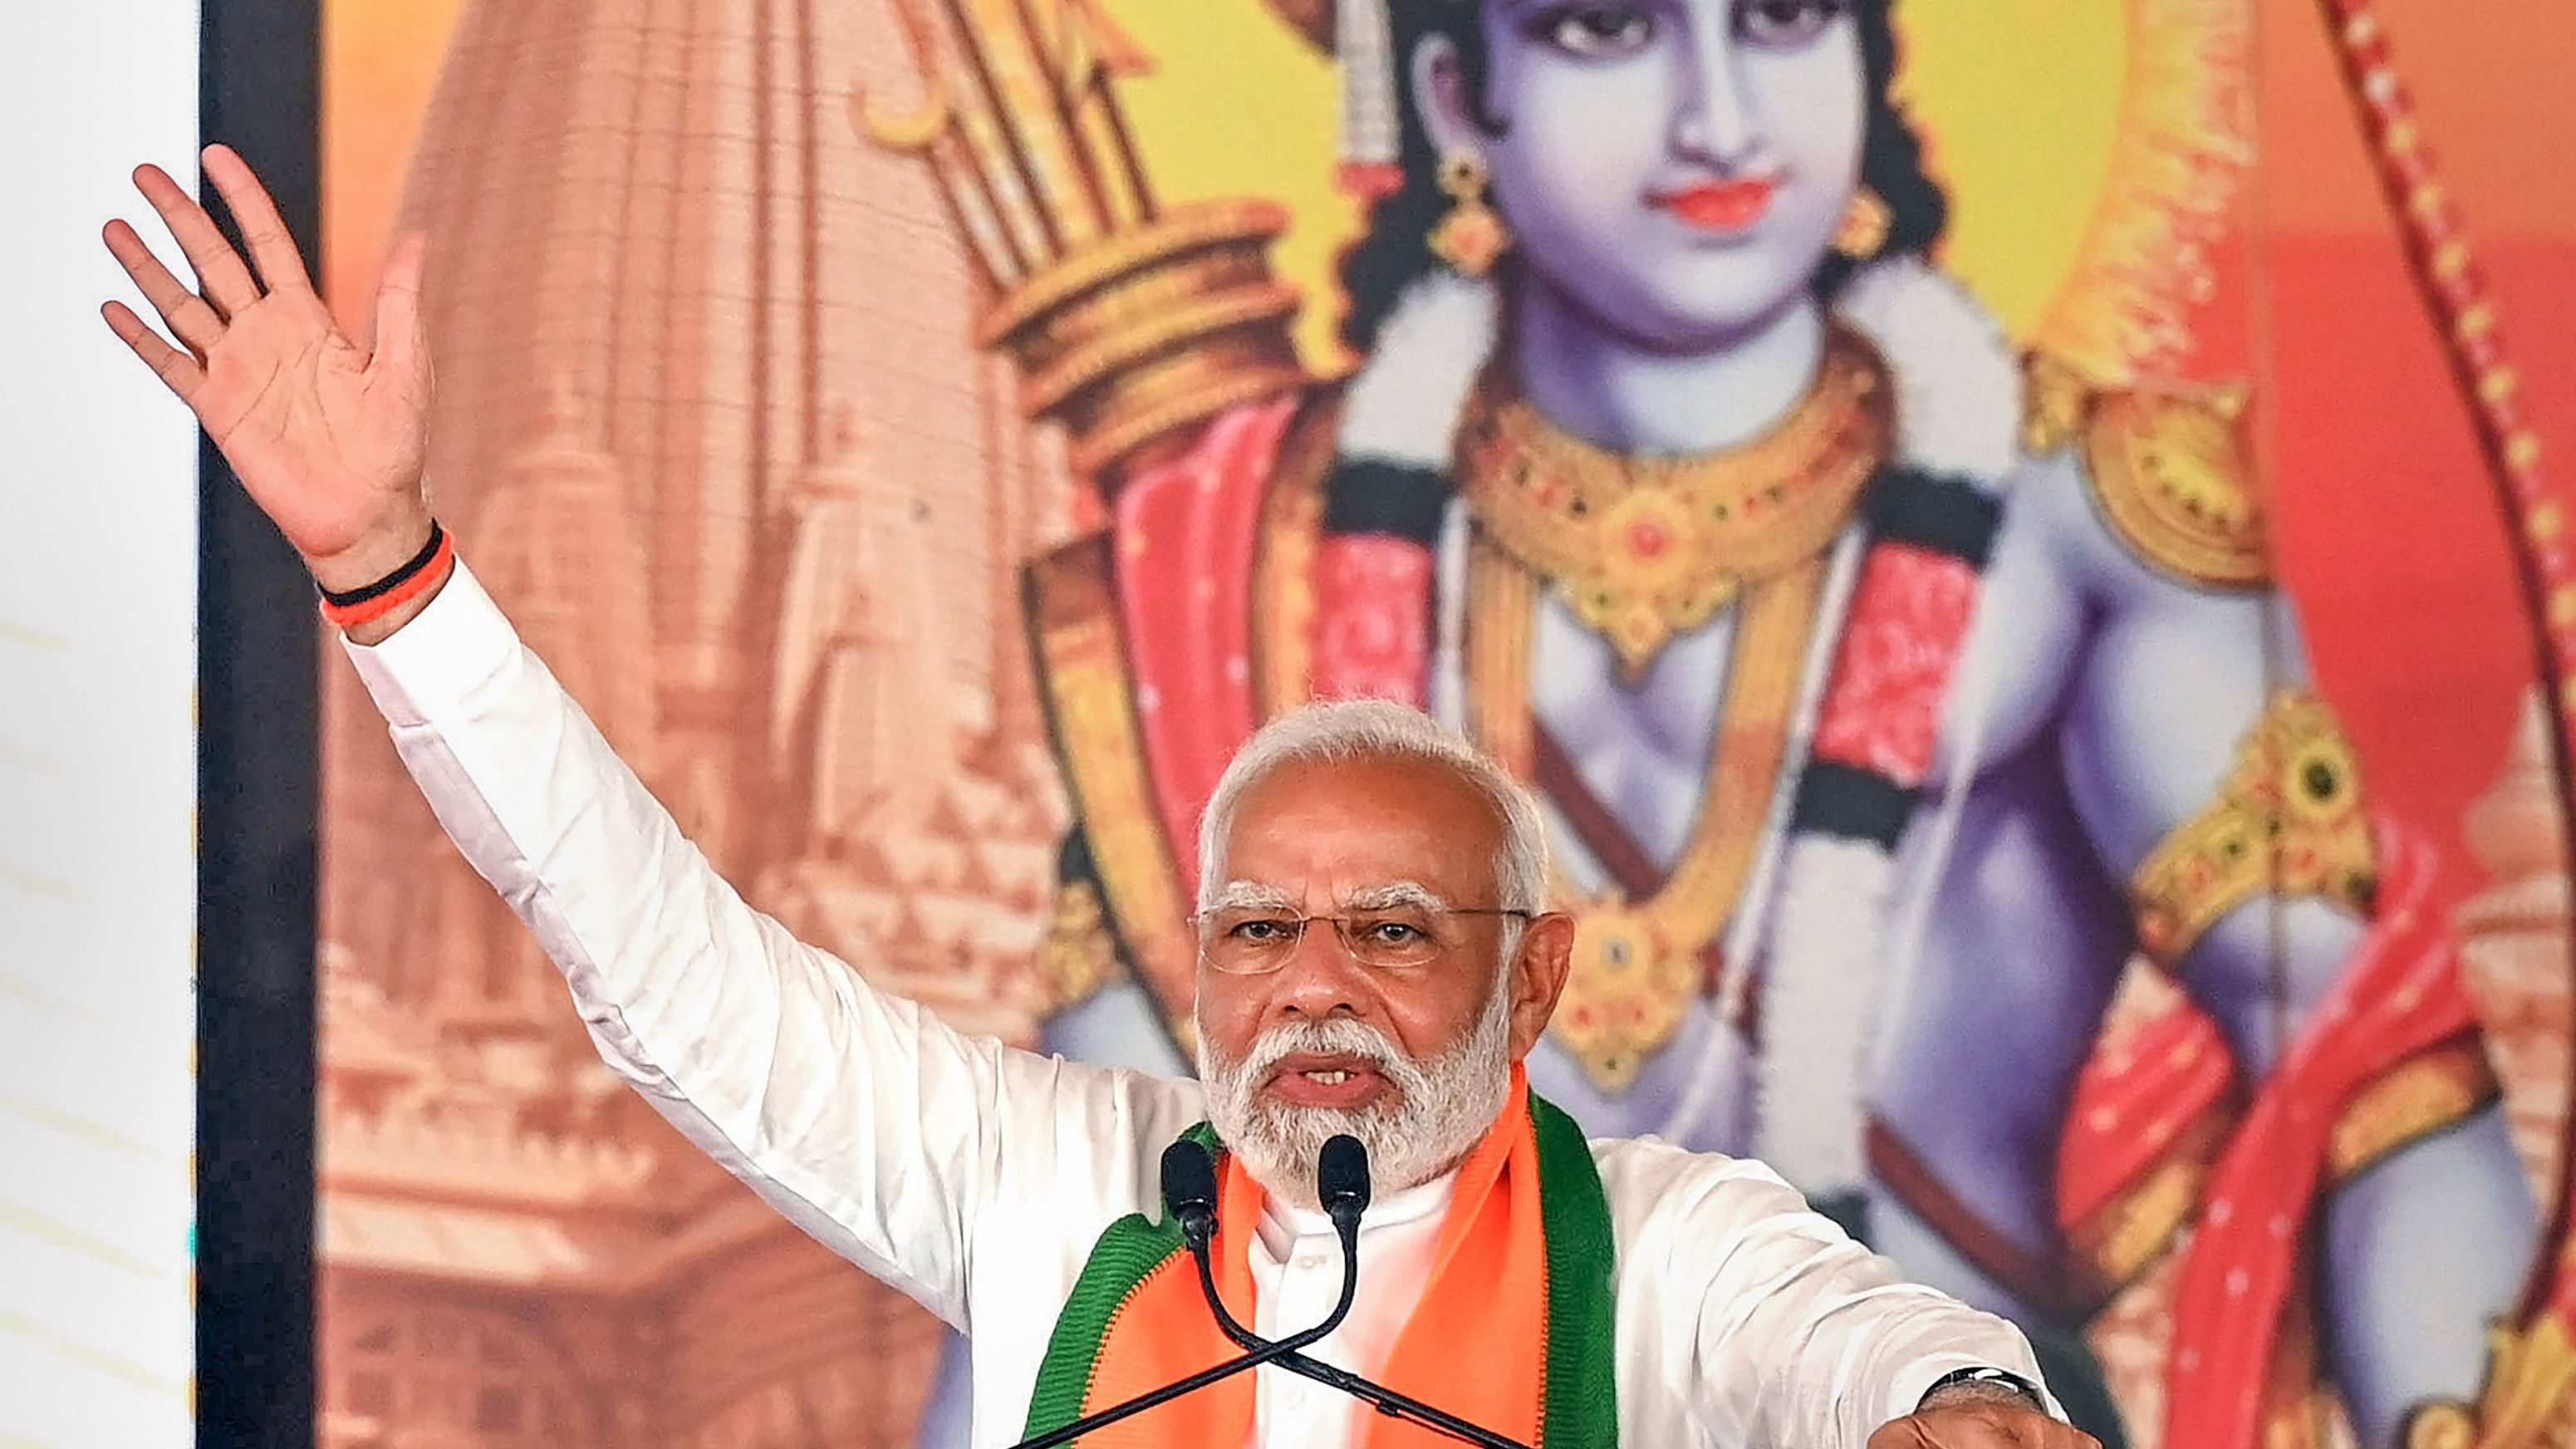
{"x":2168,"y":469}
{"x":2289,"y":821}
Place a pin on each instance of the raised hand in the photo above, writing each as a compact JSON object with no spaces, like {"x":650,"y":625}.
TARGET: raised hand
{"x":328,"y":434}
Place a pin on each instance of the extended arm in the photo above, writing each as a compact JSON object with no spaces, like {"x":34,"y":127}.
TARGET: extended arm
{"x":883,"y":1132}
{"x":857,"y":1114}
{"x":1778,"y":1327}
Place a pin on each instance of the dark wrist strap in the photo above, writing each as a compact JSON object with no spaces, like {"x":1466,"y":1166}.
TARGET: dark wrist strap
{"x":1993,"y":1379}
{"x":391,"y":581}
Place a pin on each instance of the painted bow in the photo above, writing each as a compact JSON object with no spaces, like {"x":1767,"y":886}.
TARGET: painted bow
{"x":2534,"y":1365}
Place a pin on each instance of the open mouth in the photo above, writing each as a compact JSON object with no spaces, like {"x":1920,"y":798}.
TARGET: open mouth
{"x":1312,"y":1079}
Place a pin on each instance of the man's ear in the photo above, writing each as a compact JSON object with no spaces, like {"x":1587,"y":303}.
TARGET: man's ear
{"x":1539,"y":969}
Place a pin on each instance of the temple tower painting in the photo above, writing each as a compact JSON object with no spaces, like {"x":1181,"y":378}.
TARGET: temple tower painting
{"x":709,"y":429}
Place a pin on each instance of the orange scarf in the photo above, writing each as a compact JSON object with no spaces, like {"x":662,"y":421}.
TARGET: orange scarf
{"x":1514,"y":1330}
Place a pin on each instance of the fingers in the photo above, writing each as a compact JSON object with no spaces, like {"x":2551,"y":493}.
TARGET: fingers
{"x":272,"y":249}
{"x":177,"y":369}
{"x":191,"y":320}
{"x":219,"y":269}
{"x":400,"y":347}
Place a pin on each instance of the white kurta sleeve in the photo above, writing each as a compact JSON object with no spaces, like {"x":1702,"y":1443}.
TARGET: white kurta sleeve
{"x":860,"y":1116}
{"x":1779,"y":1329}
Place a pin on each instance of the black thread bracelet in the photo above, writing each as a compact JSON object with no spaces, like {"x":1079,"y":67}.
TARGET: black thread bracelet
{"x":391,"y":581}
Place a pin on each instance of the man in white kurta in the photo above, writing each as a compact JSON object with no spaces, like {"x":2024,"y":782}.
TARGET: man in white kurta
{"x":976,"y":1177}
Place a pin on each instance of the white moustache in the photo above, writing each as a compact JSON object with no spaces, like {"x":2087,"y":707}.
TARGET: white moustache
{"x":1341,"y":1037}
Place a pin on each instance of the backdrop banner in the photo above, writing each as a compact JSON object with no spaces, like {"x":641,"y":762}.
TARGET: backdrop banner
{"x":2051,"y":758}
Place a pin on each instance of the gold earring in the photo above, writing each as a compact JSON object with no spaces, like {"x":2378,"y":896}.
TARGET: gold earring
{"x":1472,"y":234}
{"x":1866,"y":223}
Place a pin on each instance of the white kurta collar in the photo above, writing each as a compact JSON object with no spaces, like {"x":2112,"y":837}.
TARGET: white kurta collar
{"x":1282,"y":1225}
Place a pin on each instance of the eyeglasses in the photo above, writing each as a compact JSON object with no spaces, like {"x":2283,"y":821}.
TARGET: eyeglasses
{"x":1251,"y":940}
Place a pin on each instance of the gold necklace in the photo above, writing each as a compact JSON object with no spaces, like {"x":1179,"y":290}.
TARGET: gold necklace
{"x":1636,"y":965}
{"x":1643,"y":548}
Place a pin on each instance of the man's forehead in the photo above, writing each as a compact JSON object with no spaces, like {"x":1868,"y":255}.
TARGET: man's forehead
{"x":1383,"y":782}
{"x":1364,"y":893}
{"x":1326,"y":830}
{"x":1412,"y":807}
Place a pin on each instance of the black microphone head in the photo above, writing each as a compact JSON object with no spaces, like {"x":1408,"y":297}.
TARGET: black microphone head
{"x":1189,"y":1187}
{"x":1342,"y":1177}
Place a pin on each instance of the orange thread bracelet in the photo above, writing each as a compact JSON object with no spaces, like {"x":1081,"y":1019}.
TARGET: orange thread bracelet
{"x":425,"y":571}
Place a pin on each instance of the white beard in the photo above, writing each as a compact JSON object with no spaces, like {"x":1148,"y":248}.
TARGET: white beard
{"x":1438,"y":1113}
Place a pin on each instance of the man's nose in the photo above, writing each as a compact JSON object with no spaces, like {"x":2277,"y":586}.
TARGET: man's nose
{"x":1321,"y":977}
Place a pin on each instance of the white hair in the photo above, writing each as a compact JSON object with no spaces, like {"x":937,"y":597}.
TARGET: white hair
{"x":1380,"y":729}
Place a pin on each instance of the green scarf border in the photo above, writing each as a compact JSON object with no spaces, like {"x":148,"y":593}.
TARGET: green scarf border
{"x":1130,"y":1251}
{"x":1582,"y":1408}
{"x":1581,"y":1391}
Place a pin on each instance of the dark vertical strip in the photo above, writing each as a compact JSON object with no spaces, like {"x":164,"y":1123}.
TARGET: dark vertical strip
{"x":257,"y":792}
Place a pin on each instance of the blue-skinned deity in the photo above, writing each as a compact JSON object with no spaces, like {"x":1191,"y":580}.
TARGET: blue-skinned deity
{"x":1891,"y":693}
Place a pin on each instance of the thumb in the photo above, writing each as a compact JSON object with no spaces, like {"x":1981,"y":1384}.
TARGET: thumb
{"x":402,"y":346}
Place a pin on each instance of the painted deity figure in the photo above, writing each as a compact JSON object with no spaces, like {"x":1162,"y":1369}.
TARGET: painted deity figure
{"x":1888,"y":692}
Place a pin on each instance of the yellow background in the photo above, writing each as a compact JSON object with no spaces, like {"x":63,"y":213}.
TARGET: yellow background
{"x":2031,"y":167}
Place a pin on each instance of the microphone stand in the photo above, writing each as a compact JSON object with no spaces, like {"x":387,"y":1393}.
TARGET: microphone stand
{"x":1377,"y":1396}
{"x":1344,"y":1201}
{"x":1262,"y":1352}
{"x":1197,"y":1213}
{"x":1189,"y":1188}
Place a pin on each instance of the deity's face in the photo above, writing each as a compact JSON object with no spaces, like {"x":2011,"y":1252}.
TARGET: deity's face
{"x":1677,"y":169}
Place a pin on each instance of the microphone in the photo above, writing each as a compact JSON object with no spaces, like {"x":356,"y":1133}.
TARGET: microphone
{"x":1189,"y":1193}
{"x":1189,"y":1189}
{"x":1342,"y":1184}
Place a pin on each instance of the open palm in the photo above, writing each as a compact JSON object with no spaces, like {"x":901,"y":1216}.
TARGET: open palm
{"x":328,"y":435}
